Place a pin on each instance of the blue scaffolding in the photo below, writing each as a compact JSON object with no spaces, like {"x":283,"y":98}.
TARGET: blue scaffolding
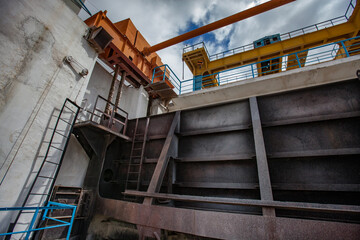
{"x":49,"y":207}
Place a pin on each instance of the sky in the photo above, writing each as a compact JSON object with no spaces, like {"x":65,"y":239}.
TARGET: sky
{"x":159,"y":20}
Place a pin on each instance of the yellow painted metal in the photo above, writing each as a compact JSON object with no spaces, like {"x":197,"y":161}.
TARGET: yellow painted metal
{"x":332,"y":34}
{"x":293,"y":62}
{"x":269,"y":67}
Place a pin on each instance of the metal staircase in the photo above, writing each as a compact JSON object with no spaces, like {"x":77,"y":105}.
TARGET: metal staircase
{"x":42,"y":186}
{"x":136,"y":158}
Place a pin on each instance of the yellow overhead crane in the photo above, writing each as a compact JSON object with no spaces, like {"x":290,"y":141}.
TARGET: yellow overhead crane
{"x":199,"y":63}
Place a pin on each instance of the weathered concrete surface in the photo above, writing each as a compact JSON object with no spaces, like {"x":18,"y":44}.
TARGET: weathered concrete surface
{"x":35,"y":36}
{"x":133,"y":100}
{"x":74,"y":166}
{"x":328,"y":72}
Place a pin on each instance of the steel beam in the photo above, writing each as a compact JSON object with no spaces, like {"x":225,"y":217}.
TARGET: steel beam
{"x":262,"y":165}
{"x":163,"y":160}
{"x":218,"y":24}
{"x":317,"y":207}
{"x":224,"y":225}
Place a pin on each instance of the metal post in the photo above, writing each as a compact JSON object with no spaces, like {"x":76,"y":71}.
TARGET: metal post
{"x":346,"y":51}
{"x":164,"y":73}
{"x":32,"y":223}
{"x":112,"y":89}
{"x":71,"y":223}
{"x":152,"y":80}
{"x":298,"y":60}
{"x":252,"y":70}
{"x":117,"y":101}
{"x":261,"y":159}
{"x":126,"y":122}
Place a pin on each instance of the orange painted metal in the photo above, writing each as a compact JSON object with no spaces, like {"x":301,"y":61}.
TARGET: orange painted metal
{"x":125,"y":47}
{"x":218,"y":24}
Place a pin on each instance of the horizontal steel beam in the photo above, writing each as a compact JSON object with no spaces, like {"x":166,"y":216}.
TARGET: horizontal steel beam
{"x":333,"y":208}
{"x":221,"y":225}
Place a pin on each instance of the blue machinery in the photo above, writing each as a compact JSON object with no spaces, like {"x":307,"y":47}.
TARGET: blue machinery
{"x":49,"y":207}
{"x":324,"y":53}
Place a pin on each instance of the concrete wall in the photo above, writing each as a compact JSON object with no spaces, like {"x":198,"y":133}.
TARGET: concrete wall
{"x":74,"y":166}
{"x":35,"y":36}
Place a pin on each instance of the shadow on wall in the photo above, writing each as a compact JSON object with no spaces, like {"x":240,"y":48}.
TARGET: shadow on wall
{"x":40,"y":155}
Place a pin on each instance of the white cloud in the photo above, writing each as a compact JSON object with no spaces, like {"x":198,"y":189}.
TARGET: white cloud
{"x":159,"y":20}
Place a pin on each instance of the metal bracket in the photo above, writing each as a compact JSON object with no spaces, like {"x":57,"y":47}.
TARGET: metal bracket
{"x":81,"y":70}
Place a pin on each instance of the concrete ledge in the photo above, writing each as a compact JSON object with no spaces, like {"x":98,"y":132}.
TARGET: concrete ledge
{"x":329,"y":72}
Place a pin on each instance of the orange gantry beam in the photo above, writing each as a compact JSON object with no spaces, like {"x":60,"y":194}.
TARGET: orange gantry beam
{"x":218,"y":24}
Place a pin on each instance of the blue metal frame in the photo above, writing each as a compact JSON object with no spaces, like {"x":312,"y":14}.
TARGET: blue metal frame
{"x":49,"y":207}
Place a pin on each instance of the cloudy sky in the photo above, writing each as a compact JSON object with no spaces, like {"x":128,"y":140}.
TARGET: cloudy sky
{"x":159,"y":20}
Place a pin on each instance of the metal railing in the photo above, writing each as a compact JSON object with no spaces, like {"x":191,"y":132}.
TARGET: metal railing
{"x":304,"y":58}
{"x":194,"y":47}
{"x":164,"y":73}
{"x":51,"y":206}
{"x":309,"y":29}
{"x":116,"y":119}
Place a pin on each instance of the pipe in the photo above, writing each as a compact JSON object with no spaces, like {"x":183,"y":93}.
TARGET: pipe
{"x":112,"y":90}
{"x":218,"y":24}
{"x":117,"y":101}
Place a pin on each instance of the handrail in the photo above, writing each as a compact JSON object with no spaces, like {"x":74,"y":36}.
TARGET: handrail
{"x":283,"y":36}
{"x":50,"y":206}
{"x":164,"y":72}
{"x":252,"y":70}
{"x":110,"y":115}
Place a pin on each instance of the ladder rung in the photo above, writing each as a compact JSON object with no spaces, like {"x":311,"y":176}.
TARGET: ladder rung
{"x":57,"y":148}
{"x":47,"y":194}
{"x":65,"y":121}
{"x":52,"y":162}
{"x":133,"y":172}
{"x":139,"y":134}
{"x":61,"y":134}
{"x":46,"y":177}
{"x":133,"y":181}
{"x":69,"y":108}
{"x":137,"y":148}
{"x":136,"y":156}
{"x":134,"y":164}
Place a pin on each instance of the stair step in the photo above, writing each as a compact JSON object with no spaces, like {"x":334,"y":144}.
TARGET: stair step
{"x":67,"y":193}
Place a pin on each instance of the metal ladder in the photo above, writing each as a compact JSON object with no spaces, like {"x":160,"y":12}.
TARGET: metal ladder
{"x":49,"y":169}
{"x":136,"y":159}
